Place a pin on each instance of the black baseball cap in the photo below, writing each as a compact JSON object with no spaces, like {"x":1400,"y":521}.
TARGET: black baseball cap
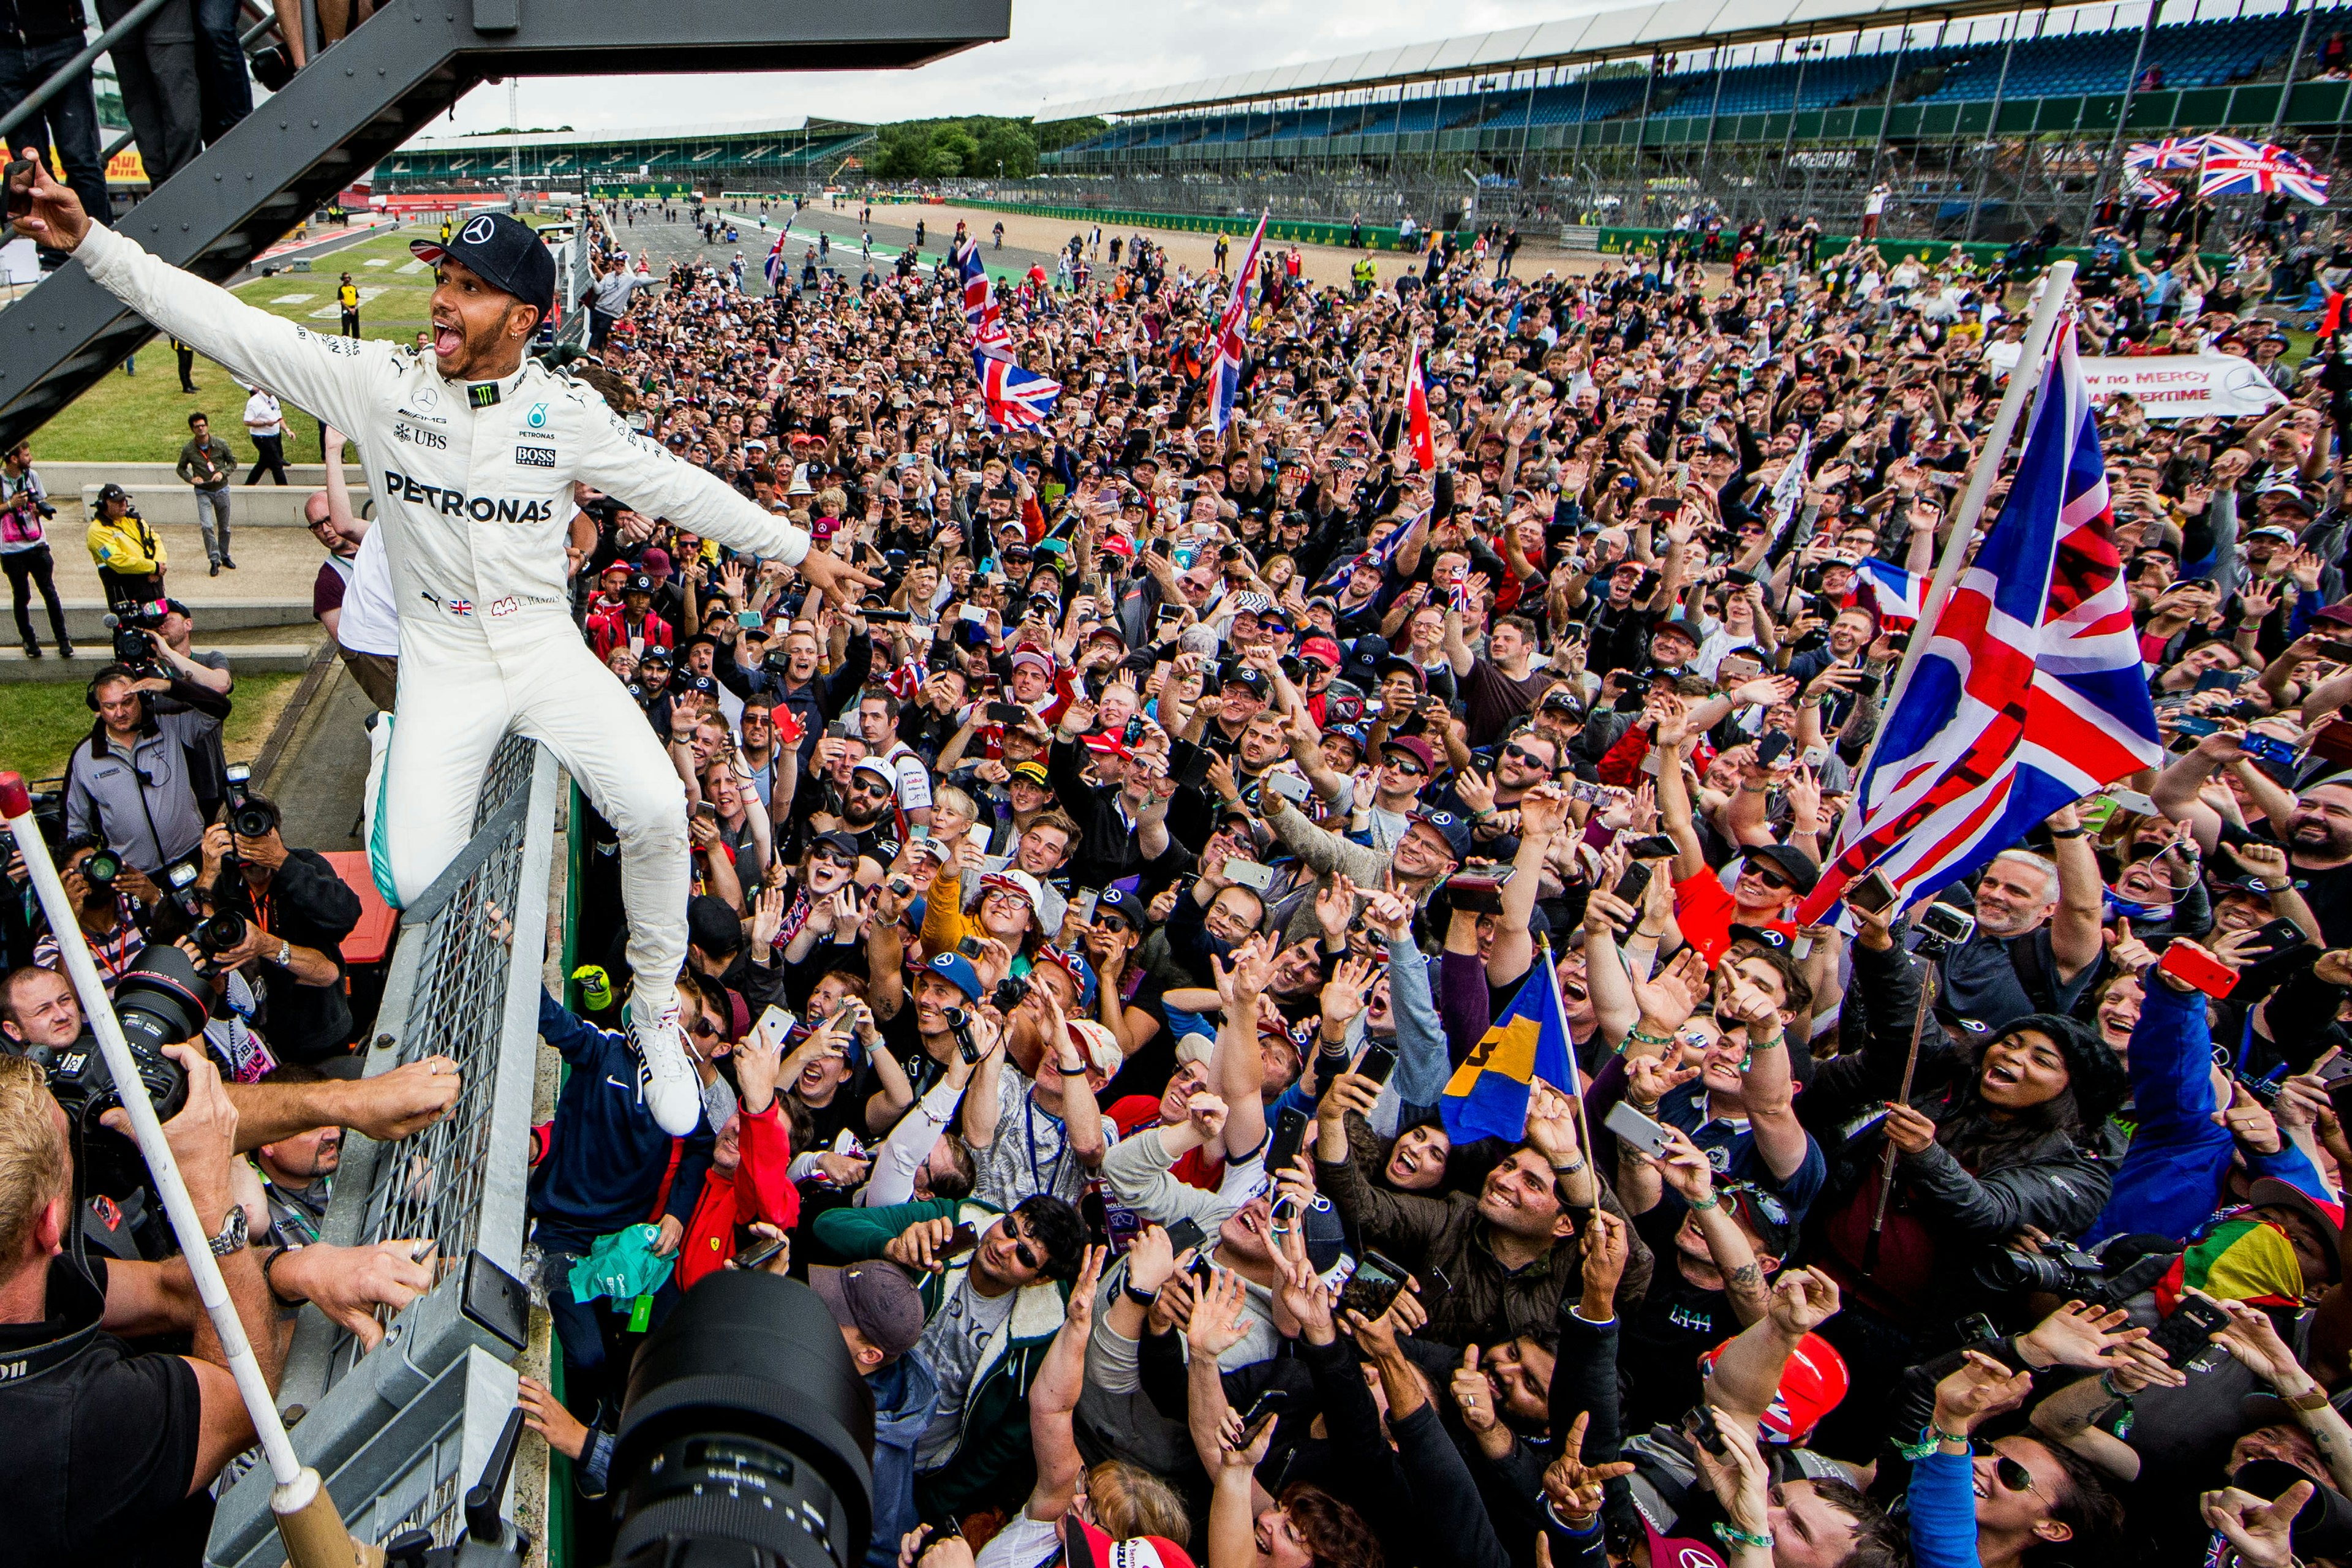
{"x":502,"y":252}
{"x":1127,"y":906}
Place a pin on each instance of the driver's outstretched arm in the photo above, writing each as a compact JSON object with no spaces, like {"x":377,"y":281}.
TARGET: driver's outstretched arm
{"x":325,"y":375}
{"x":657,"y":483}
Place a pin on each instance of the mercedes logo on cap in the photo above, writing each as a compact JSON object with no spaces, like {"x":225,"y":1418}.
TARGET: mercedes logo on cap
{"x":477,"y":231}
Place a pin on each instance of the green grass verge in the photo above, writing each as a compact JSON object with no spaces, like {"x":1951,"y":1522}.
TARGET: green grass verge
{"x":43,"y":721}
{"x":144,"y":418}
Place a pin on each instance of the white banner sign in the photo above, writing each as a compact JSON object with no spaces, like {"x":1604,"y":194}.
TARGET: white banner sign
{"x":2171,"y":386}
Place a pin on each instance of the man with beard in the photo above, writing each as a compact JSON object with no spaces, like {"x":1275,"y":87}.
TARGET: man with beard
{"x":869,"y":815}
{"x":1499,"y":689}
{"x":2317,"y":831}
{"x":2037,"y":942}
{"x":298,"y":1173}
{"x":1504,"y":1248}
{"x":496,"y":651}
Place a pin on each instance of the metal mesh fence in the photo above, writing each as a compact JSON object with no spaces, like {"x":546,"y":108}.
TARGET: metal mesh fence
{"x":399,"y":1431}
{"x":431,"y":1184}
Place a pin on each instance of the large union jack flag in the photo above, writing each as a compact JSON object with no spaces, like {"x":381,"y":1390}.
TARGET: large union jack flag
{"x":775,"y":266}
{"x":1233,"y":338}
{"x":2172,"y":152}
{"x":1017,"y":399}
{"x":2235,"y":168}
{"x":2030,"y":693}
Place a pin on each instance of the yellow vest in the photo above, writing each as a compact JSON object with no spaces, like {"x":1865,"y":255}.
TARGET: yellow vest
{"x":126,"y":545}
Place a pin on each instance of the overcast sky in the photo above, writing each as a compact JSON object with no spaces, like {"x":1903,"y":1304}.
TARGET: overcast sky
{"x":1060,"y":51}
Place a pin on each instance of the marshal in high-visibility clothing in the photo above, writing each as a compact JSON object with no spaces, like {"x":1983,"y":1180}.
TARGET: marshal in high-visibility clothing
{"x":1488,"y":1095}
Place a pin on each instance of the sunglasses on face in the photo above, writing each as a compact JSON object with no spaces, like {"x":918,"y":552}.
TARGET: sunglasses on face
{"x":1408,"y":767}
{"x":1025,"y":1253}
{"x":834,"y":858}
{"x":1771,"y":879}
{"x":2012,"y":1475}
{"x":704,"y":1029}
{"x":1519,"y":753}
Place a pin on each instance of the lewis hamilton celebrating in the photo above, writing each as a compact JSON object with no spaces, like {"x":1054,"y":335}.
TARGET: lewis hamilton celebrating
{"x":472,"y":452}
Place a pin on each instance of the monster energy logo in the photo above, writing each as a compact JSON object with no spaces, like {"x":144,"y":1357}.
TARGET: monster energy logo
{"x":482,"y":396}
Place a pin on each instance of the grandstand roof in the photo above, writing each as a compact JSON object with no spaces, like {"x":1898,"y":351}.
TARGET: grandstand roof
{"x":1665,"y":25}
{"x":728,"y":131}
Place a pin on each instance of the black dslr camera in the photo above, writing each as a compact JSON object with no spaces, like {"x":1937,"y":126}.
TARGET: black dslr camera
{"x":213,"y":934}
{"x":161,"y":1001}
{"x":129,"y":626}
{"x":248,"y":818}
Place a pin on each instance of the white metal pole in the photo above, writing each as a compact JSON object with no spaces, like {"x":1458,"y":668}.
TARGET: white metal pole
{"x":2058,"y":282}
{"x":2033,"y":352}
{"x":16,"y":806}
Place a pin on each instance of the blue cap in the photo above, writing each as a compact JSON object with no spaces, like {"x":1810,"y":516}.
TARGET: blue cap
{"x":958,"y":972}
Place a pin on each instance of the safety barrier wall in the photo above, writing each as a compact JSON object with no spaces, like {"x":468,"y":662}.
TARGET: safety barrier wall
{"x":400,"y":1431}
{"x":1277,"y":230}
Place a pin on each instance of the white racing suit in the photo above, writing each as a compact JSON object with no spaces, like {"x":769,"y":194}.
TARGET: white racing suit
{"x":473,"y":483}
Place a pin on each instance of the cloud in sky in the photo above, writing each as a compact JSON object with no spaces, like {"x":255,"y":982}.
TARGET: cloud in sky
{"x":1060,"y":51}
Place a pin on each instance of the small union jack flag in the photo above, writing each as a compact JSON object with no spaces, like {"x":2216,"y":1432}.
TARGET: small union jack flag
{"x":461,"y":607}
{"x":774,"y":266}
{"x":1233,"y":338}
{"x":2235,"y":168}
{"x":2172,"y":152}
{"x":2155,"y":194}
{"x":981,"y":311}
{"x":1017,"y":399}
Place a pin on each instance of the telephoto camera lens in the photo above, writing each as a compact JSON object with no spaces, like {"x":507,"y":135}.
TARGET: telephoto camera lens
{"x":101,"y":867}
{"x":161,"y":1001}
{"x":224,"y":932}
{"x":747,"y":1437}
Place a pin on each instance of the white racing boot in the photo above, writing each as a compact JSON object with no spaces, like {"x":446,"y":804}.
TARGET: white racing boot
{"x":672,"y":1091}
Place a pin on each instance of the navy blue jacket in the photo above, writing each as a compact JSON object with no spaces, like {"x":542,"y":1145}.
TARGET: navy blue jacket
{"x":608,"y":1156}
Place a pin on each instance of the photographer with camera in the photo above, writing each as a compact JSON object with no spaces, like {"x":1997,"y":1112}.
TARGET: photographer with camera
{"x":25,"y":550}
{"x":289,"y":912}
{"x":134,"y":783}
{"x":40,"y":1017}
{"x":109,"y":900}
{"x":159,"y":1427}
{"x":172,"y":638}
{"x":78,"y":1401}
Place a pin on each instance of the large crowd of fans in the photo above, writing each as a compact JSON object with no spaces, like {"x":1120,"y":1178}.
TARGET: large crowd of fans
{"x":1088,"y":926}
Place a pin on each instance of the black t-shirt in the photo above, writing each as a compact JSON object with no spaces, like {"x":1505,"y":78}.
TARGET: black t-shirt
{"x":1660,"y":1341}
{"x":104,"y":1445}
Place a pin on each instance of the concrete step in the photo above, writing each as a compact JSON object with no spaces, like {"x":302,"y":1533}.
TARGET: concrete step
{"x":244,"y":659}
{"x":249,"y":506}
{"x":85,"y":623}
{"x":64,"y":478}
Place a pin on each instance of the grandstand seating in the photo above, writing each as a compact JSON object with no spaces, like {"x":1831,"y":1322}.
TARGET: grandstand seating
{"x":2190,"y":55}
{"x":767,"y":155}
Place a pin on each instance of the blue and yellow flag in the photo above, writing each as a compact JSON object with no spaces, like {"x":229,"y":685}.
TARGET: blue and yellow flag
{"x":1488,"y":1095}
